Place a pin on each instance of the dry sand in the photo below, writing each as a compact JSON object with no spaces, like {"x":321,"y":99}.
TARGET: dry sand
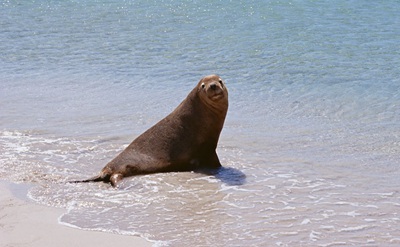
{"x":24,"y":223}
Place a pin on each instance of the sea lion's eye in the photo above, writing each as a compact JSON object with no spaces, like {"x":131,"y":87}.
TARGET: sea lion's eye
{"x":220,"y":82}
{"x":203,"y":85}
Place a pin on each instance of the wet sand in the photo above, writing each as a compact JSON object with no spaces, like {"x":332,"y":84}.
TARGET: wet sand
{"x":24,"y":223}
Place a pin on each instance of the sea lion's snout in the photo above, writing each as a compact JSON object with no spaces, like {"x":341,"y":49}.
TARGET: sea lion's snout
{"x":213,"y":89}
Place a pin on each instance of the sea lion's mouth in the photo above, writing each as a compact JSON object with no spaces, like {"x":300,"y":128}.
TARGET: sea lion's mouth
{"x":217,"y":95}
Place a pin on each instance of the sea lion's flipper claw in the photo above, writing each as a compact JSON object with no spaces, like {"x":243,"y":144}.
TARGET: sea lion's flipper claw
{"x":115,"y":178}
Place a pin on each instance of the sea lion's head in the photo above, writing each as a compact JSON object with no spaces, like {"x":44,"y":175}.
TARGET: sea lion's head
{"x":212,"y":90}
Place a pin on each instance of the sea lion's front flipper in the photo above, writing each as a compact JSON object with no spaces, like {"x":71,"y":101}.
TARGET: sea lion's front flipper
{"x":212,"y":161}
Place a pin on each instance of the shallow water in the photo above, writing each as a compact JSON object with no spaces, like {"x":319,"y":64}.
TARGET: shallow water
{"x":311,"y":143}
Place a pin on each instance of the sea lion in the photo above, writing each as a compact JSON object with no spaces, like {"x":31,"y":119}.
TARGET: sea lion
{"x":185,"y":140}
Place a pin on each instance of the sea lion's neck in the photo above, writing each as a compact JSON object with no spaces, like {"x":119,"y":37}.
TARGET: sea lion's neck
{"x":219,"y":108}
{"x":214,"y":114}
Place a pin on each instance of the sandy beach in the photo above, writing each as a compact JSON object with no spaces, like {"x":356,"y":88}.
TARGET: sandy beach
{"x":24,"y":223}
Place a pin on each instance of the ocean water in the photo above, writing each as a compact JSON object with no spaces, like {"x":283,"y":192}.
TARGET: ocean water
{"x":310,"y":146}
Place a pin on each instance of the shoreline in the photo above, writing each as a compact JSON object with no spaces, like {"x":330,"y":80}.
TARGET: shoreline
{"x":25,"y":223}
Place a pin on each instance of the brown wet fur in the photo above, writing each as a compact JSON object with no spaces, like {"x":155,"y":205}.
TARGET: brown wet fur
{"x":185,"y":140}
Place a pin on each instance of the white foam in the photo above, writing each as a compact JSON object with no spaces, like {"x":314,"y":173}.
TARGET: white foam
{"x":355,"y":228}
{"x":314,"y":236}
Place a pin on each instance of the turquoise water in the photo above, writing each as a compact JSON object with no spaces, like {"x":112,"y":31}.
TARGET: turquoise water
{"x":313,"y":123}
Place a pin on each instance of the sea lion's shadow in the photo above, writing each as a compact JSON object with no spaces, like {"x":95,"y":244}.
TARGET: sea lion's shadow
{"x":228,"y":175}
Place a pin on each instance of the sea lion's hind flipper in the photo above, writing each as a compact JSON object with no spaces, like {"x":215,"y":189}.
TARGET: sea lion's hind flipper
{"x":99,"y":178}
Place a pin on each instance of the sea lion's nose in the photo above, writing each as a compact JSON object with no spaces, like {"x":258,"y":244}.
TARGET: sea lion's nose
{"x":213,"y":86}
